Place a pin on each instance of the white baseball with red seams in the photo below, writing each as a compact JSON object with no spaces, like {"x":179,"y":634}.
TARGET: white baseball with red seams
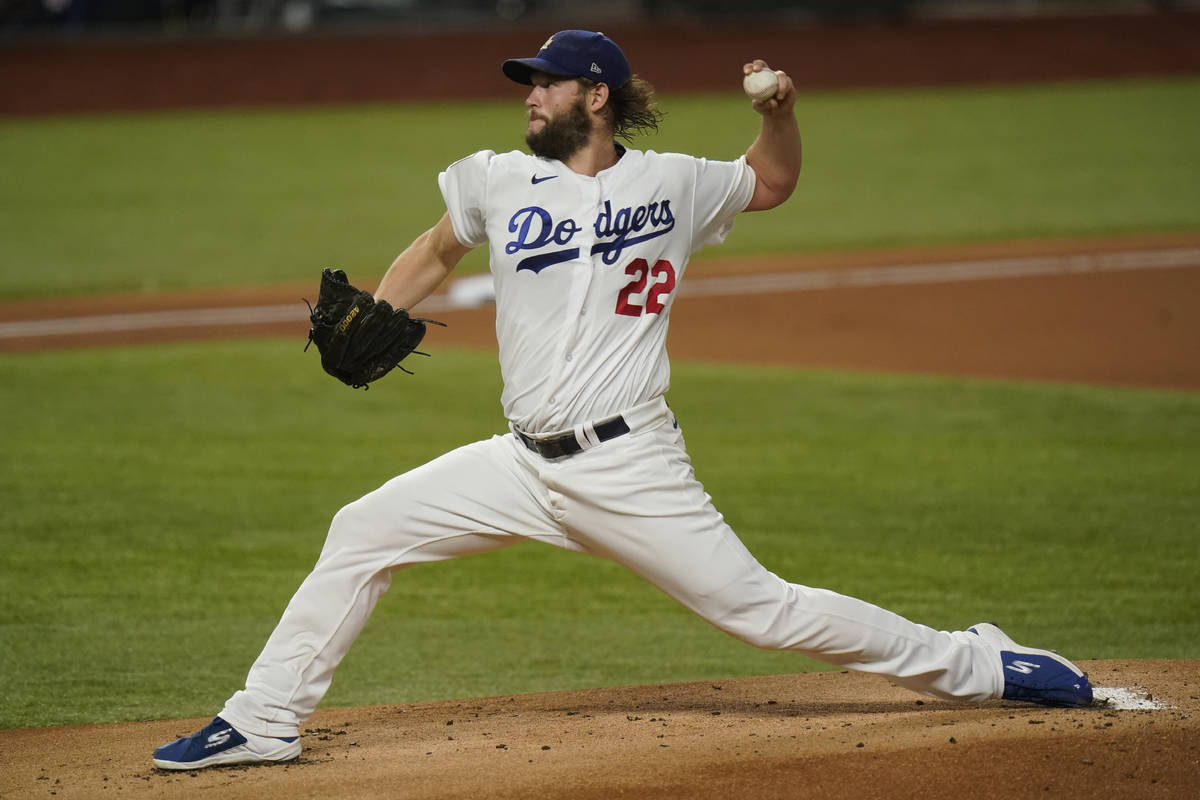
{"x":586,"y":272}
{"x":760,"y":84}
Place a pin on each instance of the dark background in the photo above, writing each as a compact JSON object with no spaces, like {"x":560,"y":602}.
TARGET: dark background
{"x":166,"y":54}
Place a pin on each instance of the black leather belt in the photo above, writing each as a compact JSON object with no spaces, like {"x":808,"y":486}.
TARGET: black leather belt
{"x":567,"y":445}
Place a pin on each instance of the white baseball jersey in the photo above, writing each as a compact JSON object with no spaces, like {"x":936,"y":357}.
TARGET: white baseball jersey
{"x":586,"y":270}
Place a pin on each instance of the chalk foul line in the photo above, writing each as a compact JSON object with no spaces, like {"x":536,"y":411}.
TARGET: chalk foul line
{"x":806,"y":280}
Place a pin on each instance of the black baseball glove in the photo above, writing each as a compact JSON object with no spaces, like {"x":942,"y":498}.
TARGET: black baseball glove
{"x":360,"y":339}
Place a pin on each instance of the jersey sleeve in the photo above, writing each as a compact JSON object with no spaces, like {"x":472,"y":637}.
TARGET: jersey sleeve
{"x":464,"y":188}
{"x":723,"y":188}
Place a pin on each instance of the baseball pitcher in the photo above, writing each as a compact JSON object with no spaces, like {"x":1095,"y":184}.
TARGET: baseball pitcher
{"x":588,"y":242}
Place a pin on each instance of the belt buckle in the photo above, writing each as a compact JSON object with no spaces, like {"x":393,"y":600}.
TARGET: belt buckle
{"x":552,"y":448}
{"x":559,"y":446}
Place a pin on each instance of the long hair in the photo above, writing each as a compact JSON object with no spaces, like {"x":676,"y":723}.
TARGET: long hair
{"x":631,"y":110}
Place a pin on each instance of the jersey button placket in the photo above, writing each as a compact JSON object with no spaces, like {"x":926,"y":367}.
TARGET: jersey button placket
{"x":582,"y":285}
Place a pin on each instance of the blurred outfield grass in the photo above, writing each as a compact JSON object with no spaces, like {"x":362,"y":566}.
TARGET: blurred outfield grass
{"x":163,"y":201}
{"x":160,"y":505}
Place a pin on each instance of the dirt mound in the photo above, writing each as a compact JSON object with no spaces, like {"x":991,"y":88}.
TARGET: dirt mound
{"x":830,"y":734}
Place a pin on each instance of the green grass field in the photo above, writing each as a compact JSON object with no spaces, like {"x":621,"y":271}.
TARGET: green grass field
{"x":157,"y":508}
{"x":146,"y":202}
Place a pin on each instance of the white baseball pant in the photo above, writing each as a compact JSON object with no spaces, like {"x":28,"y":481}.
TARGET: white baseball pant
{"x":633,"y":499}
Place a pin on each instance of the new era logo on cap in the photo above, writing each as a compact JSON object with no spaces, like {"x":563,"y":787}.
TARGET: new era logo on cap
{"x":574,"y":54}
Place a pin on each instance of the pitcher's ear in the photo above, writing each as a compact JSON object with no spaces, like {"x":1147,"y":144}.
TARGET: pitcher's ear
{"x":598,"y":96}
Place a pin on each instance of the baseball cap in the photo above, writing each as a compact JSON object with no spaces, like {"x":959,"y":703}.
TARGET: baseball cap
{"x":574,"y":54}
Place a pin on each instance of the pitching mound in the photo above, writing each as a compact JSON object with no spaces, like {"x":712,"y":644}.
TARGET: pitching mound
{"x":821,"y":735}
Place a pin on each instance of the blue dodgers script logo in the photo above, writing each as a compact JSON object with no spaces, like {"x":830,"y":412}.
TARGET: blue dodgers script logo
{"x":536,"y":229}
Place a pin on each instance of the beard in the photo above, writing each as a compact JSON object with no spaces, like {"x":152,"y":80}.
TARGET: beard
{"x":564,"y":136}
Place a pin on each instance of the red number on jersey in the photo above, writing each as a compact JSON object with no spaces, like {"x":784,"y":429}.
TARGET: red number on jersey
{"x":665,"y":274}
{"x":640,"y":271}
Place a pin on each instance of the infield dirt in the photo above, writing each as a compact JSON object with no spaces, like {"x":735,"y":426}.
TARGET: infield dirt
{"x":1129,"y":327}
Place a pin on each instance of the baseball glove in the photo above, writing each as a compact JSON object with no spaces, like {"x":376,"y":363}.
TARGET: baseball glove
{"x":360,"y":339}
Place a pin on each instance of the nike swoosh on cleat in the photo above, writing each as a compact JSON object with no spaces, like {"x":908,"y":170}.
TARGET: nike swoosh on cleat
{"x":536,"y":180}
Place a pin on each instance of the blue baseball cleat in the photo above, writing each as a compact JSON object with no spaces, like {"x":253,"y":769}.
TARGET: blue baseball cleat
{"x":220,"y":743}
{"x":1036,"y":676}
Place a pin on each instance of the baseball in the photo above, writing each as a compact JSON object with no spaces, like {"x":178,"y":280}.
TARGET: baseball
{"x":761,"y":85}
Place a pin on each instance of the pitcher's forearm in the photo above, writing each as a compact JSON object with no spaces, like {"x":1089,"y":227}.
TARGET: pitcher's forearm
{"x":775,"y":157}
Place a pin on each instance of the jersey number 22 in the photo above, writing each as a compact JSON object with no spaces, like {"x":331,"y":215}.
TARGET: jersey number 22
{"x":630,"y":297}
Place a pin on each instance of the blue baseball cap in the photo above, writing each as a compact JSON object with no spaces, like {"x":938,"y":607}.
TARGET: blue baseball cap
{"x":574,"y":54}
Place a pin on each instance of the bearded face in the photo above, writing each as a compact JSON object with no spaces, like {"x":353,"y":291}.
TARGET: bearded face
{"x":563,"y":135}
